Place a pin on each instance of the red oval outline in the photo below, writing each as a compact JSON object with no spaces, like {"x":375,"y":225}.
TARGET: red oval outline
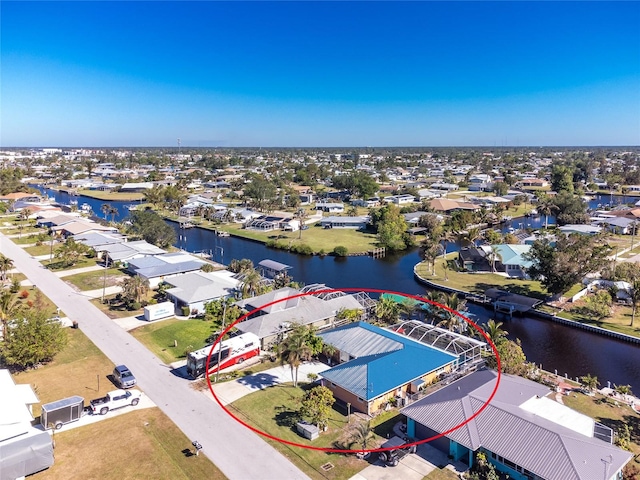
{"x":367,"y":290}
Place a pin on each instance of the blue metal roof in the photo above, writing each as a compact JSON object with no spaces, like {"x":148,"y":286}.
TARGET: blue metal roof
{"x":370,"y":376}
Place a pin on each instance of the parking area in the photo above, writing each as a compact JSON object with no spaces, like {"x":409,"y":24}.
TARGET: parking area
{"x":411,"y":467}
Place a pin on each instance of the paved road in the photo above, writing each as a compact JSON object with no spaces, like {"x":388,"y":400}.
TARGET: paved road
{"x":238,"y":452}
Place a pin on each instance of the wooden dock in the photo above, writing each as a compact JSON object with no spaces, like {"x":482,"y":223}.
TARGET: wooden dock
{"x":378,"y":252}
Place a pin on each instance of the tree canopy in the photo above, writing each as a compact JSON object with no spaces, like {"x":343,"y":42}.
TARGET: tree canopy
{"x":560,"y":266}
{"x":148,"y":225}
{"x":392,"y":227}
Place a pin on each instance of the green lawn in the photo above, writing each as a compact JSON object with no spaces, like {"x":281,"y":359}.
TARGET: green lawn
{"x":272,"y":411}
{"x":112,"y":196}
{"x":94,"y":280}
{"x":159,"y":337}
{"x":619,"y":321}
{"x":58,"y":265}
{"x":604,"y":410}
{"x":115,"y":310}
{"x":318,"y":238}
{"x":478,"y":282}
{"x":32,"y":238}
{"x":441,"y":474}
{"x":37,"y":250}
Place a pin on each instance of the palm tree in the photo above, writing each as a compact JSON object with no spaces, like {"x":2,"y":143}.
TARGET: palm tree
{"x":6,"y":264}
{"x":446,"y":237}
{"x":623,"y":389}
{"x":134,"y":288}
{"x":294,"y":350}
{"x":250,"y":283}
{"x":546,"y":207}
{"x":494,"y":331}
{"x":450,"y":320}
{"x":9,"y":308}
{"x":70,"y":251}
{"x":387,"y":310}
{"x":154,"y":195}
{"x":362,"y":435}
{"x":104,"y":208}
{"x":113,"y":211}
{"x":634,"y":294}
{"x":301,"y":215}
{"x":429,"y":251}
{"x":494,"y":255}
{"x":590,"y":382}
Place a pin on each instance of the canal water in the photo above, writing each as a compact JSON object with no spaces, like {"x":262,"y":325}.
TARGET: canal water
{"x":555,"y":346}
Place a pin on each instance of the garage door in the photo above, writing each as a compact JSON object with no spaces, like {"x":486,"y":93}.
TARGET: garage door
{"x":441,"y":443}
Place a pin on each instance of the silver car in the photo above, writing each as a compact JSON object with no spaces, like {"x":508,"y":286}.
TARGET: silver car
{"x":123,"y":377}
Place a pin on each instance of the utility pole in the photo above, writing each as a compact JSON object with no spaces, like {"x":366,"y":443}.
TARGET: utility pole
{"x":104,"y":278}
{"x":224,"y":315}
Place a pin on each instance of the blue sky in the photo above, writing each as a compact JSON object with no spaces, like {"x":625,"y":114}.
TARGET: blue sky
{"x":319,"y":74}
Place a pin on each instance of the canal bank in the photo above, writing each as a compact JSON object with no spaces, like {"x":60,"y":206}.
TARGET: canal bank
{"x":486,"y":302}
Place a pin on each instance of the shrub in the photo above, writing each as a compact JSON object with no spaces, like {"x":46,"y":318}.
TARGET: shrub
{"x":186,"y":311}
{"x":207,"y":267}
{"x":302,"y":249}
{"x":15,"y":286}
{"x":340,"y":251}
{"x":135,"y":306}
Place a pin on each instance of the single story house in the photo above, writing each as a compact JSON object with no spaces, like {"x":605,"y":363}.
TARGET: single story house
{"x":402,"y":199}
{"x":532,"y":182}
{"x":368,"y":203}
{"x":272,"y":320}
{"x":196,"y":289}
{"x":98,"y":240}
{"x":80,"y":227}
{"x":266,"y":223}
{"x":510,"y":259}
{"x":157,"y":268}
{"x":446,"y":205}
{"x":377,"y":366}
{"x":359,"y":223}
{"x":24,"y":449}
{"x":449,"y":187}
{"x":581,"y":229}
{"x":124,"y":252}
{"x":617,"y":225}
{"x":330,"y":207}
{"x":522,"y":432}
{"x":136,"y":187}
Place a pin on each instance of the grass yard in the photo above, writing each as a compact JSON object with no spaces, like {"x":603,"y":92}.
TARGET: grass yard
{"x":619,"y":321}
{"x":479,"y":282}
{"x":112,"y":196}
{"x":152,"y":447}
{"x":94,"y":280}
{"x":159,"y":337}
{"x":271,"y":410}
{"x":116,"y":310}
{"x":441,"y":474}
{"x":27,"y":300}
{"x":77,"y":370}
{"x":604,"y":410}
{"x":318,"y":238}
{"x":37,"y":250}
{"x":32,"y":238}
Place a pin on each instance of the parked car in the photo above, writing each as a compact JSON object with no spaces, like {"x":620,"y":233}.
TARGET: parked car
{"x":123,"y":377}
{"x":115,"y":399}
{"x":399,"y":450}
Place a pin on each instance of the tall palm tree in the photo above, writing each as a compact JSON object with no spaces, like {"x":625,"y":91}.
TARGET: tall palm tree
{"x":301,"y":215}
{"x":154,"y":195}
{"x":634,"y":294}
{"x":104,"y":208}
{"x":294,"y":350}
{"x":6,"y":264}
{"x":494,"y":331}
{"x":447,"y":236}
{"x":450,"y":320}
{"x":113,"y":211}
{"x":9,"y":308}
{"x":546,"y":207}
{"x":495,"y":255}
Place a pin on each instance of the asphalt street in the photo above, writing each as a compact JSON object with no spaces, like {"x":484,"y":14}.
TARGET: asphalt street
{"x":238,"y":452}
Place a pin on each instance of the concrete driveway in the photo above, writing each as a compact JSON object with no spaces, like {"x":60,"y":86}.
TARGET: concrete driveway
{"x":229,"y":392}
{"x":411,"y":467}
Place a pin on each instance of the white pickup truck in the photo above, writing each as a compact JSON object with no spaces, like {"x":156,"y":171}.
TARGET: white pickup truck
{"x":115,"y":399}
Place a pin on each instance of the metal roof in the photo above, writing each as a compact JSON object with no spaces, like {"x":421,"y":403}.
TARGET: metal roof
{"x":548,"y":449}
{"x":379,"y":372}
{"x":273,"y":265}
{"x":200,"y":286}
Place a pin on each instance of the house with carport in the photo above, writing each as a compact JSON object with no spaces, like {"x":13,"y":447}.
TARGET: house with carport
{"x":523,"y":432}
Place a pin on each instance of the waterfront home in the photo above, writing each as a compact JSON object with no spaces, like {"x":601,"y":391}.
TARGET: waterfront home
{"x":480,"y":182}
{"x":266,"y":223}
{"x":271,"y":269}
{"x":522,"y":432}
{"x":24,"y":449}
{"x":505,"y":258}
{"x":20,"y":196}
{"x":156,"y":268}
{"x":98,"y":240}
{"x":194,"y":290}
{"x":124,"y":252}
{"x":377,"y":366}
{"x":358,"y":223}
{"x":81,"y":226}
{"x":446,"y":205}
{"x":581,"y":229}
{"x":136,"y":187}
{"x":617,"y":225}
{"x":271,"y":321}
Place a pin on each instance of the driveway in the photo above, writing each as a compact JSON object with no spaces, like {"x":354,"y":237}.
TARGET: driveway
{"x":411,"y":467}
{"x":229,"y":392}
{"x":224,"y":440}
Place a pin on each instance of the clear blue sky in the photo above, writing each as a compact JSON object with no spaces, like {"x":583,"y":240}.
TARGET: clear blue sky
{"x":319,"y":74}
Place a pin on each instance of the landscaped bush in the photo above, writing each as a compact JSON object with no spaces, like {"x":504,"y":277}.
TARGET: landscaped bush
{"x":24,"y":294}
{"x":302,"y":249}
{"x":340,"y":251}
{"x":186,"y":311}
{"x":136,"y":306}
